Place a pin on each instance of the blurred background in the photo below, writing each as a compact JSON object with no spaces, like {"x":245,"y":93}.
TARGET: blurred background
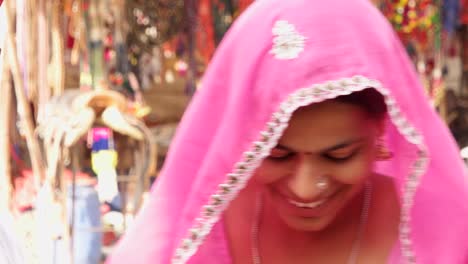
{"x":92,"y":91}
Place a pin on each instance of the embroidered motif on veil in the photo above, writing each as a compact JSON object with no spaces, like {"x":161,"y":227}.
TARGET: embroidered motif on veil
{"x":287,"y":43}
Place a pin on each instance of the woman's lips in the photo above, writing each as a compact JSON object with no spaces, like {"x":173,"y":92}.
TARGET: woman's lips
{"x":316,"y":208}
{"x":308,"y":205}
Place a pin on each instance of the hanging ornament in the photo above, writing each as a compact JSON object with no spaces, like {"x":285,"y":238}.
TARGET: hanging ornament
{"x":205,"y":31}
{"x":412,"y":19}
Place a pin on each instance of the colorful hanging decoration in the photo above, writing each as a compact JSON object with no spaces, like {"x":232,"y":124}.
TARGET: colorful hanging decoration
{"x":214,"y":19}
{"x":154,"y":22}
{"x":412,"y":19}
{"x":104,"y":162}
{"x":420,"y":26}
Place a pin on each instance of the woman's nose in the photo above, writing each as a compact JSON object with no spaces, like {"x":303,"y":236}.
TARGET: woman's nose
{"x":305,"y":182}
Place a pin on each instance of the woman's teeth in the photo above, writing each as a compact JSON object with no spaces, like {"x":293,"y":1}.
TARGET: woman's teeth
{"x":307,"y":205}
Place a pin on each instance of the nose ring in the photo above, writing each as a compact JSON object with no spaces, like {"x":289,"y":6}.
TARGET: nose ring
{"x":322,"y":183}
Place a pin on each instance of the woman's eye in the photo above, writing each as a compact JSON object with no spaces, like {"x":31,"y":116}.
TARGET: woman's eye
{"x":341,"y":156}
{"x":280,"y":155}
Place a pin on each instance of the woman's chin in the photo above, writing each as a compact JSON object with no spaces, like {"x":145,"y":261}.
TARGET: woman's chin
{"x":306,"y":224}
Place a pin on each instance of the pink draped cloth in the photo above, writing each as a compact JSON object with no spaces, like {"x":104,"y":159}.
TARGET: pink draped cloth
{"x":246,"y":86}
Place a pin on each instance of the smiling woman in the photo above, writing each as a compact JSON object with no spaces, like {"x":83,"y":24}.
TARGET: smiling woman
{"x":319,"y":173}
{"x":310,"y":141}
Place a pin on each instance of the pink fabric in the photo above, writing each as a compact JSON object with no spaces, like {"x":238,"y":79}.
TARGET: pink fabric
{"x":101,"y":133}
{"x":245,"y":84}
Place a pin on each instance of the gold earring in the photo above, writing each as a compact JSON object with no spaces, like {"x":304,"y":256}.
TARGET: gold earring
{"x":383,"y":153}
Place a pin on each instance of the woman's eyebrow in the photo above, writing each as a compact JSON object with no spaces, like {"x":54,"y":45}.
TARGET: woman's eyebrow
{"x":338,"y":146}
{"x":343,"y":144}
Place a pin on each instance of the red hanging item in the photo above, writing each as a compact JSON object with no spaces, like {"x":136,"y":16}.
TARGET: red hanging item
{"x":243,"y":4}
{"x":205,"y":32}
{"x":464,"y":12}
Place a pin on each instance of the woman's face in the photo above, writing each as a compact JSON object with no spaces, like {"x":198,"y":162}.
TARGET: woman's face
{"x":330,"y":141}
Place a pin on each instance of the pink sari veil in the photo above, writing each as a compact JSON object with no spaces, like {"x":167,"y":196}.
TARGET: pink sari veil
{"x":244,"y":104}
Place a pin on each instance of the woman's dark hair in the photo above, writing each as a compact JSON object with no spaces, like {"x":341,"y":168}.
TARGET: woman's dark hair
{"x":369,"y":99}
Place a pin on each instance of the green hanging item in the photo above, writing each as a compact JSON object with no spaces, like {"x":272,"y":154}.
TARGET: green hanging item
{"x":95,"y":44}
{"x":223,"y":13}
{"x":437,"y":26}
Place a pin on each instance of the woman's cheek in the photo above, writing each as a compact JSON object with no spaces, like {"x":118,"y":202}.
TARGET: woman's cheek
{"x":269,"y":172}
{"x":354,"y":172}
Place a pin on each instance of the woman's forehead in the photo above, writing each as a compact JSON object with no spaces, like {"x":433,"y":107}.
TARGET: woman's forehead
{"x":325,"y":125}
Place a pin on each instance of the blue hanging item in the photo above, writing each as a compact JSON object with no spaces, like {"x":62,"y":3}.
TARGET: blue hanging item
{"x":450,"y":15}
{"x":87,"y":235}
